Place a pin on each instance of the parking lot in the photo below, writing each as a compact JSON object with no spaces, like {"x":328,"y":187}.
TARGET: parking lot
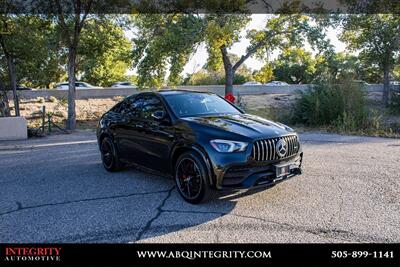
{"x":56,"y":190}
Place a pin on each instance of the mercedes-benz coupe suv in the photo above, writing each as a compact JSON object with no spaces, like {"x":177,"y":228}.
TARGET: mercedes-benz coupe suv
{"x":205,"y":142}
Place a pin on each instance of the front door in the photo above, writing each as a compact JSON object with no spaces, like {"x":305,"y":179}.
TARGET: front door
{"x":157,"y":134}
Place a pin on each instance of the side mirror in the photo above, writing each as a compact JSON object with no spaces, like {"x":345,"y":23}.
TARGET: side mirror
{"x":158,"y":115}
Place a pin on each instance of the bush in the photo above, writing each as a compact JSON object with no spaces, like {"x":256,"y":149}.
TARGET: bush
{"x":342,"y":106}
{"x":40,"y":99}
{"x":63,"y":102}
{"x":52,"y":99}
{"x":395,"y":103}
{"x":202,"y":78}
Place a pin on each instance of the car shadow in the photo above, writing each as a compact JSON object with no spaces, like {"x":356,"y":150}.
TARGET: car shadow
{"x":71,"y":198}
{"x":175,"y":216}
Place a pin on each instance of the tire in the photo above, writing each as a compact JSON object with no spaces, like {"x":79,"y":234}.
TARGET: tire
{"x":109,"y":155}
{"x":192,"y":180}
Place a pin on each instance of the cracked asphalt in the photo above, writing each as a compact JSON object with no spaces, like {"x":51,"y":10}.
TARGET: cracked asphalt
{"x":52,"y":191}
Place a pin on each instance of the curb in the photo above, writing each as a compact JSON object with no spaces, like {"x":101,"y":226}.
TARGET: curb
{"x":30,"y":147}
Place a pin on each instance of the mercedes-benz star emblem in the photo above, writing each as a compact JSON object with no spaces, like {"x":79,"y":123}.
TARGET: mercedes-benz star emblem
{"x":281,"y":148}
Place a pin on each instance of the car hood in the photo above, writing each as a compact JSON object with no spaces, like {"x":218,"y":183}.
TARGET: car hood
{"x":243,"y":124}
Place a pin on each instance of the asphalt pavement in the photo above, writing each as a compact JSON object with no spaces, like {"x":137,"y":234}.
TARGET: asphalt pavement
{"x":55,"y":189}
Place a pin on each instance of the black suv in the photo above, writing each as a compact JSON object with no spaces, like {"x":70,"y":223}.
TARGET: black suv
{"x":203,"y":140}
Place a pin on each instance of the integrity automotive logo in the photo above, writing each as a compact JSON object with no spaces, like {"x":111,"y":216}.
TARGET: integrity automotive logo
{"x":32,"y":254}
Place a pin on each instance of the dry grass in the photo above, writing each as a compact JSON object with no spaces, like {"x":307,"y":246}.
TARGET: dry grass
{"x":88,"y":111}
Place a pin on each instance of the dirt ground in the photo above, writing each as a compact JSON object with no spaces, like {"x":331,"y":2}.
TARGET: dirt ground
{"x":254,"y":102}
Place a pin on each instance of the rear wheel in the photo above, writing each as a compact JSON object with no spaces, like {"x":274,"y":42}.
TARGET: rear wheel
{"x":192,"y":180}
{"x":109,"y":155}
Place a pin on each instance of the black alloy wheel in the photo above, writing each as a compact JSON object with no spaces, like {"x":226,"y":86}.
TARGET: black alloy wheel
{"x":191,"y":179}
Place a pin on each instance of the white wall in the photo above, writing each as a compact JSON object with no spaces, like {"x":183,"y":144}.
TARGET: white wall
{"x":218,"y":89}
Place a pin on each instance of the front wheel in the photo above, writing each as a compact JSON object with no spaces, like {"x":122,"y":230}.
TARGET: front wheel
{"x":191,"y":179}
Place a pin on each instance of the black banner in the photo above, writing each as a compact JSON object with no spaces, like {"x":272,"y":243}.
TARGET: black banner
{"x":199,"y":254}
{"x":200,"y":6}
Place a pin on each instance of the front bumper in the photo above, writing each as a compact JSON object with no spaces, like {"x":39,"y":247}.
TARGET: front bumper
{"x":252,"y":174}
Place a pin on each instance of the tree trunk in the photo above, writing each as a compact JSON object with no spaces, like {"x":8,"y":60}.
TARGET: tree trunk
{"x":13,"y":82}
{"x":5,"y":109}
{"x":386,"y":84}
{"x":229,"y":71}
{"x":229,"y":74}
{"x":71,"y":121}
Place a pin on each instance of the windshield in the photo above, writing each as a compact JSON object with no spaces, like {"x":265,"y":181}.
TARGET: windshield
{"x":198,"y":104}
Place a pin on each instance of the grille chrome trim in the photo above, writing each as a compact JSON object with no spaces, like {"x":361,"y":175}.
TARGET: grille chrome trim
{"x":264,"y":150}
{"x":271,"y":149}
{"x":258,"y":154}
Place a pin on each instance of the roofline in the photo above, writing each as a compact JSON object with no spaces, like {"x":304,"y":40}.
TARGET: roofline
{"x":183,"y":90}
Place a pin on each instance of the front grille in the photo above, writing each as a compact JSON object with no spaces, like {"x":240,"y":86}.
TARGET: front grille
{"x":264,"y":150}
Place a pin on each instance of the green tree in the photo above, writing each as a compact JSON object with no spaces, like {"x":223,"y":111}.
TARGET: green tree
{"x":28,"y":51}
{"x":37,"y":54}
{"x":40,"y":60}
{"x":202,"y":77}
{"x":279,"y":32}
{"x":162,"y":46}
{"x":295,"y":65}
{"x":339,"y":66}
{"x":209,"y":75}
{"x":7,"y":32}
{"x":71,"y":23}
{"x":377,"y":39}
{"x":71,"y":18}
{"x":170,"y":39}
{"x":265,"y":74}
{"x":104,"y":53}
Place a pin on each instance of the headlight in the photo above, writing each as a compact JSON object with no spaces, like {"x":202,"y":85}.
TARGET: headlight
{"x":228,"y":146}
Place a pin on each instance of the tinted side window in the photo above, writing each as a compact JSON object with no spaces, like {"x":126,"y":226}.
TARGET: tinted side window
{"x":131,"y":106}
{"x":151,"y":104}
